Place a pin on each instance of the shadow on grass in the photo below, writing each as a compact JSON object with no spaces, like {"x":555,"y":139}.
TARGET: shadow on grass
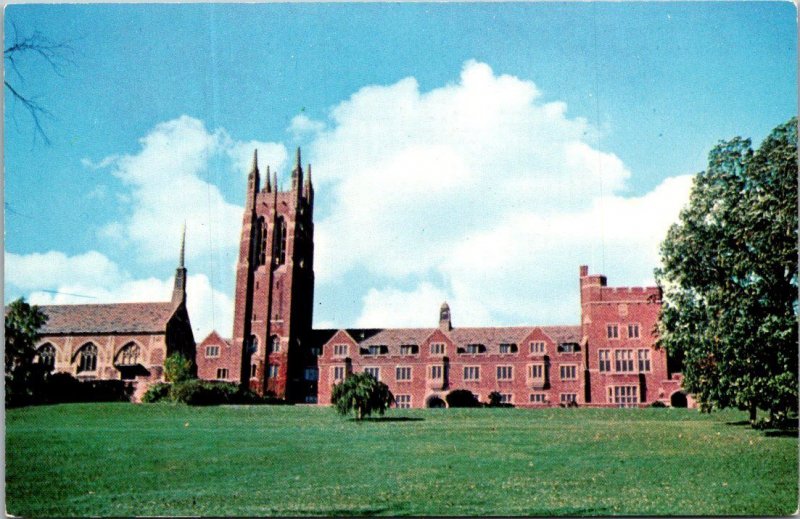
{"x":389,"y":419}
{"x":740,"y":422}
{"x":782,"y":432}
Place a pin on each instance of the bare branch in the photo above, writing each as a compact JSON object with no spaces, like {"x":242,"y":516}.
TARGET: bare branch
{"x":34,"y":108}
{"x":56,"y":54}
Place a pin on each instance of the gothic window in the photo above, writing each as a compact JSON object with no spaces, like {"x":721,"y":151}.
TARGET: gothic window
{"x":279,"y":238}
{"x":87,"y":358}
{"x":274,"y":344}
{"x":47,"y":356}
{"x":262,"y":245}
{"x":129,"y":355}
{"x":252,"y":344}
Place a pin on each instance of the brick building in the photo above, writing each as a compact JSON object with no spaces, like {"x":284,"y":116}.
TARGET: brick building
{"x":608,"y":359}
{"x":127,"y":341}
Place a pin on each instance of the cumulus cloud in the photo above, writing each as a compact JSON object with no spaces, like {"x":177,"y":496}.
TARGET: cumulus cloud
{"x":55,"y":278}
{"x":301,"y":126}
{"x":173,"y":179}
{"x":482,"y":191}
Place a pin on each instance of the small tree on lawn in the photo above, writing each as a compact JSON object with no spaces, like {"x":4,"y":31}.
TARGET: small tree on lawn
{"x":361,"y":393}
{"x":177,"y":368}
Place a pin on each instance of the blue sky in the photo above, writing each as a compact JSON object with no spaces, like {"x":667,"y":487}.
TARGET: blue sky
{"x":472,"y":152}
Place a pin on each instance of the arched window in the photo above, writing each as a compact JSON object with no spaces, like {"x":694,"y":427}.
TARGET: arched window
{"x":87,"y":358}
{"x":274,"y":344}
{"x":260,"y":242}
{"x":279,"y":237}
{"x":252,"y":344}
{"x":129,"y":355}
{"x":47,"y":356}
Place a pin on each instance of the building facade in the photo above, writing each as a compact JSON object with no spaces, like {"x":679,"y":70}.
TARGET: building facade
{"x":608,"y":359}
{"x":125,"y":341}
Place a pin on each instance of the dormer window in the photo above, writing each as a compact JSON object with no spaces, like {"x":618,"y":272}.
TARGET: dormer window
{"x":473,"y":349}
{"x":375,"y":349}
{"x":568,"y":347}
{"x":409,"y":349}
{"x":508,"y":348}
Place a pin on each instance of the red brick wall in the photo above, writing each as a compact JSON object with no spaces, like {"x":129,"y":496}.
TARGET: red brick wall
{"x":152,"y":352}
{"x":600,"y":305}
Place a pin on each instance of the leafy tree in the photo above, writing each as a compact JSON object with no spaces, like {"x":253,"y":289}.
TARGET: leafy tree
{"x":23,"y":377}
{"x":729,"y":274}
{"x":177,"y":368}
{"x":361,"y":393}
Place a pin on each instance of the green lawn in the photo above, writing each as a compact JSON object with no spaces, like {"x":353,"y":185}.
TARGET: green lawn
{"x":161,"y":459}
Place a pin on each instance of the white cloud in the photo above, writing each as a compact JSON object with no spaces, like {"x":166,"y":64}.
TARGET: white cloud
{"x":55,"y":278}
{"x":172,"y":179}
{"x":301,"y":126}
{"x":44,"y":271}
{"x":391,"y":307}
{"x":481,"y":190}
{"x":269,"y":153}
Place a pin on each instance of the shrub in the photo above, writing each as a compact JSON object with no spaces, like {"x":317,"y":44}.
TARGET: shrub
{"x":157,"y":392}
{"x":63,"y":387}
{"x":462,"y":398}
{"x":177,"y":368}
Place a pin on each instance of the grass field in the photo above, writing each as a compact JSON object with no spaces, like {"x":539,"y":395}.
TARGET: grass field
{"x":123,"y":460}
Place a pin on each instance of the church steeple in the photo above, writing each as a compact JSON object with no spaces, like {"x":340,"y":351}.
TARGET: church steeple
{"x":269,"y":186}
{"x":179,"y":290}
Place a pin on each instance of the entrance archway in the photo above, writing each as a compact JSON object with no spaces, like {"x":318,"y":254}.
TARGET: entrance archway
{"x":435,"y":402}
{"x":678,"y":399}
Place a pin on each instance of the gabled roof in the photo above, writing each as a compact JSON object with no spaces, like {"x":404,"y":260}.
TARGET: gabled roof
{"x":395,"y":337}
{"x":215,"y":337}
{"x":107,"y":318}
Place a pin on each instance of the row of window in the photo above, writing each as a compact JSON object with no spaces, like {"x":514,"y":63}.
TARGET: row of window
{"x":404,"y":401}
{"x":624,"y":360}
{"x":623,"y":396}
{"x":471,"y":373}
{"x":612,"y":331}
{"x":440,"y":349}
{"x":86,"y":358}
{"x":272,"y":372}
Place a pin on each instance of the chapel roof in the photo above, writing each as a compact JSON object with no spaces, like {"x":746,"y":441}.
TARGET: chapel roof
{"x":106,"y":318}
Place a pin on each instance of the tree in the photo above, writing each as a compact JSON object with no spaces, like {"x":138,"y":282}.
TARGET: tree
{"x":729,"y":275}
{"x":23,"y":377}
{"x":361,"y":393}
{"x":177,"y":368}
{"x":55,"y":54}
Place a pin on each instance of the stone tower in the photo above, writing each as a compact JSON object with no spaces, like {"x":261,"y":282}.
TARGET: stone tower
{"x":275,"y":282}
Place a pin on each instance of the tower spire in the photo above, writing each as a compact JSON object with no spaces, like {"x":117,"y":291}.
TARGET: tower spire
{"x":183,"y":244}
{"x":254,"y":165}
{"x":269,"y":186}
{"x":297,"y":175}
{"x":179,"y":290}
